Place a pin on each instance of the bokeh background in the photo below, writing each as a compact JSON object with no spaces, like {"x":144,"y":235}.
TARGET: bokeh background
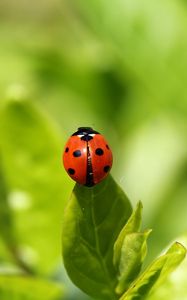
{"x":118,"y":66}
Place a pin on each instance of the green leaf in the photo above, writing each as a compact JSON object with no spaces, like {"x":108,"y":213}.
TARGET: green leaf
{"x":8,"y":239}
{"x":92,"y":222}
{"x":133,"y":252}
{"x":6,"y":221}
{"x":28,"y":288}
{"x":133,"y":225}
{"x":174,"y":288}
{"x":37,"y":185}
{"x":156,"y":273}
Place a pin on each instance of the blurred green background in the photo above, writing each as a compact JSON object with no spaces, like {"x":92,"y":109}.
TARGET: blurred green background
{"x":120,"y":67}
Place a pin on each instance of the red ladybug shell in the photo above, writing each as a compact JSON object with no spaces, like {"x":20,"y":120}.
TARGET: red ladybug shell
{"x":87,"y":157}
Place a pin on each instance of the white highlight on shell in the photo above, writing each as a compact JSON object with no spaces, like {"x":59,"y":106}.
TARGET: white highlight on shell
{"x":90,"y":134}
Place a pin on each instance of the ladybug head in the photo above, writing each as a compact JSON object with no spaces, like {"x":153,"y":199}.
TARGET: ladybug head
{"x":86,"y":133}
{"x":85,"y":129}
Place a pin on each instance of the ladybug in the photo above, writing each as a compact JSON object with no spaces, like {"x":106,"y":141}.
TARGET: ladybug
{"x":87,"y":157}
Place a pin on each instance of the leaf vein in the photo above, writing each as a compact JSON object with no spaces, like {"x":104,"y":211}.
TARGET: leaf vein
{"x":102,"y":261}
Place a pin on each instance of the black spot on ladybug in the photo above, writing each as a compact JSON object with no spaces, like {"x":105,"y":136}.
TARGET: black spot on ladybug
{"x":71,"y":171}
{"x":106,"y":169}
{"x":67,"y":149}
{"x":77,"y":153}
{"x":107,"y":147}
{"x":99,"y":151}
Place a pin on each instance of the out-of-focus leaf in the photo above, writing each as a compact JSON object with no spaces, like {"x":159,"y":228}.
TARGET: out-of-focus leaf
{"x":156,"y":273}
{"x":7,"y":234}
{"x":92,"y":222}
{"x":38,"y":186}
{"x":174,"y":288}
{"x":133,"y":252}
{"x":133,"y":225}
{"x":28,"y":288}
{"x":159,"y":140}
{"x":158,"y":145}
{"x":8,"y":239}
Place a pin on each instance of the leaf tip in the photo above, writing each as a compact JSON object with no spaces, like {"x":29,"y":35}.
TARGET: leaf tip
{"x":148,"y":232}
{"x":140,"y":204}
{"x":180,"y":248}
